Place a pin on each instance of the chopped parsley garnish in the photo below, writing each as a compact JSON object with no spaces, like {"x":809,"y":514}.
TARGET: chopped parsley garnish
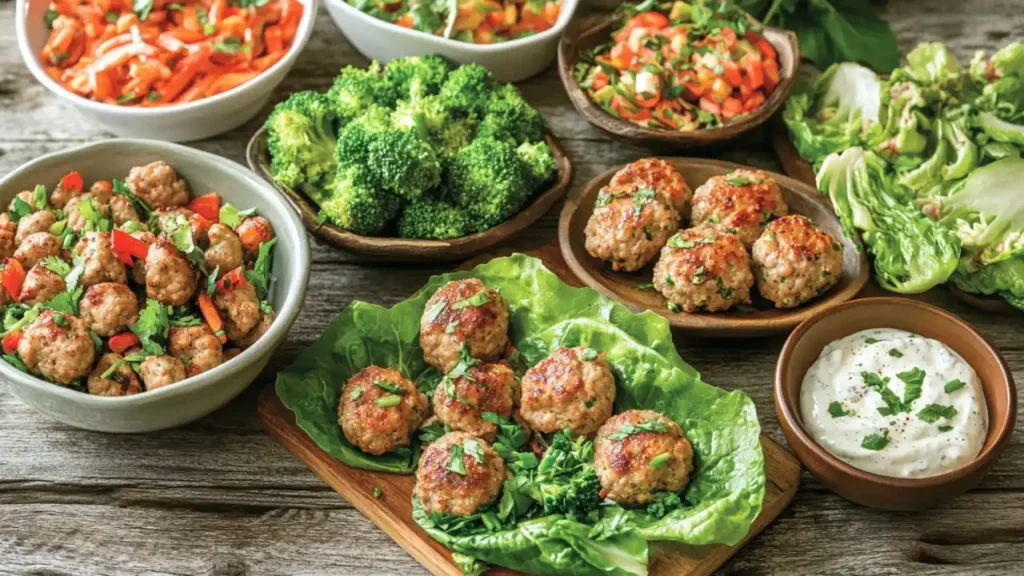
{"x":668,"y":280}
{"x":19,"y":209}
{"x":377,"y":493}
{"x":434,"y":311}
{"x":913,"y":380}
{"x":473,"y":449}
{"x":142,"y":8}
{"x":15,"y":361}
{"x":451,"y":327}
{"x":232,"y":217}
{"x":126,"y":97}
{"x":153,"y":325}
{"x":740,"y":180}
{"x":836,"y":410}
{"x":932,"y":412}
{"x":660,"y":460}
{"x":112,"y":16}
{"x":261,"y":276}
{"x":122,"y":189}
{"x":588,"y":354}
{"x":456,"y":464}
{"x":945,"y":428}
{"x":230,"y":45}
{"x":673,"y":307}
{"x":388,"y":401}
{"x":870,"y":340}
{"x":876,"y":441}
{"x":646,"y":287}
{"x":390,"y":387}
{"x":476,"y":300}
{"x":211,"y":281}
{"x":641,"y":198}
{"x":57,"y":266}
{"x":895,"y":353}
{"x":629,"y":429}
{"x":954,"y":385}
{"x":49,"y":17}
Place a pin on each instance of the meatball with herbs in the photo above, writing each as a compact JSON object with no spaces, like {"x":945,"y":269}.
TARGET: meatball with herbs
{"x":458,"y":474}
{"x":198,"y":348}
{"x":380,"y":410}
{"x":463,"y":313}
{"x":8,"y":230}
{"x":41,"y":285}
{"x":704,"y":269}
{"x":37,"y":247}
{"x":32,"y":223}
{"x":58,"y":347}
{"x":628,"y":227}
{"x":573,"y":389}
{"x":658,"y":174}
{"x":252,"y":232}
{"x":639,"y":453}
{"x":108,"y":308}
{"x":239,"y":308}
{"x":159,"y":371}
{"x":742,"y":201}
{"x":794,"y":261}
{"x":461,"y":400}
{"x":225,"y":249}
{"x":113,"y":377}
{"x":158,"y":184}
{"x":100,"y":264}
{"x":170,"y":279}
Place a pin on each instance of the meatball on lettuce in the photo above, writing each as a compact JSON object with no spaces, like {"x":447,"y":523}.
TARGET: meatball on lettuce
{"x":380,"y":409}
{"x":463,"y":313}
{"x":572,"y":389}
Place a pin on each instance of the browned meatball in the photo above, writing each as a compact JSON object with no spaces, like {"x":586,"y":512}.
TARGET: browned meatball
{"x":379,"y":410}
{"x":225,"y":249}
{"x":41,"y":285}
{"x":101,"y":264}
{"x":572,"y":388}
{"x":34,"y":222}
{"x":240,"y":309}
{"x":629,"y":226}
{"x":79,"y":218}
{"x":474,"y":484}
{"x":460,"y":402}
{"x":266,"y":321}
{"x":58,"y":347}
{"x":704,"y":269}
{"x":122,"y":210}
{"x":169,"y":277}
{"x":639,"y":453}
{"x":102,"y":191}
{"x":661,"y":176}
{"x":138,"y":270}
{"x":744,"y":200}
{"x":463,"y":312}
{"x":8,"y":230}
{"x":160,"y":371}
{"x":35,"y":247}
{"x":121,"y":382}
{"x":109,"y":308}
{"x":158,"y":184}
{"x":60,"y":196}
{"x":25,"y":196}
{"x":253,"y":231}
{"x":794,"y":261}
{"x":197,"y":347}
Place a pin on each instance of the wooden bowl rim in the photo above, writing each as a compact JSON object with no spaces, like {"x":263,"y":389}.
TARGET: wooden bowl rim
{"x":791,"y":421}
{"x":406,"y":249}
{"x":568,"y":56}
{"x":714,"y":323}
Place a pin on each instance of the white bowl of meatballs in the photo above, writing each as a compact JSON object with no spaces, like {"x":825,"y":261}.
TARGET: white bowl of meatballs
{"x":143,"y":284}
{"x":747,"y":253}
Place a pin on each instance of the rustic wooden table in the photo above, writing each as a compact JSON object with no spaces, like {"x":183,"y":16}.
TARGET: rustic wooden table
{"x":219,"y":497}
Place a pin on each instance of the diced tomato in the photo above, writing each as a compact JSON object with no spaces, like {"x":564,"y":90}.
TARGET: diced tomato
{"x":207,"y":206}
{"x":622,"y":56}
{"x":732,"y":74}
{"x":755,"y":72}
{"x":711,"y":106}
{"x":550,"y":13}
{"x":72,"y":182}
{"x":731,"y":107}
{"x":665,"y":112}
{"x":766,"y":49}
{"x":641,"y":115}
{"x":600,"y":80}
{"x":729,"y":37}
{"x":771,"y":75}
{"x":233,"y":278}
{"x":127,"y":246}
{"x":10,"y":342}
{"x":754,"y":102}
{"x":655,"y":20}
{"x":12,"y":277}
{"x":120,"y":342}
{"x":405,"y":21}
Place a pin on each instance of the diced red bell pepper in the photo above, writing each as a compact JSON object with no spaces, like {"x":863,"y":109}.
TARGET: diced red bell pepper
{"x":10,"y":342}
{"x":207,"y":206}
{"x":600,"y":80}
{"x":771,"y":75}
{"x":12,"y":277}
{"x":755,"y":71}
{"x":120,"y":342}
{"x":126,"y":246}
{"x":233,"y":278}
{"x":732,"y":74}
{"x":731,"y":107}
{"x":72,"y":181}
{"x":754,"y":102}
{"x":766,"y":49}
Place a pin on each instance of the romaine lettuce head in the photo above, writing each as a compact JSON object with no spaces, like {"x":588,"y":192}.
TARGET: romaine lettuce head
{"x":838,"y":110}
{"x":931,"y":63}
{"x":904,"y":122}
{"x":726,"y":487}
{"x":1008,"y":61}
{"x":911,"y":252}
{"x":1000,"y":130}
{"x":1005,"y":279}
{"x":987,"y":212}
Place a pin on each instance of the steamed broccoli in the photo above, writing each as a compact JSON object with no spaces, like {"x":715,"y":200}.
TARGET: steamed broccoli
{"x":355,"y":90}
{"x":538,"y":160}
{"x":354,"y":139}
{"x":566,"y":481}
{"x":426,"y":115}
{"x":454,"y":136}
{"x":416,"y":76}
{"x":488,"y":179}
{"x":355,"y":205}
{"x":664,"y":503}
{"x":508,"y":116}
{"x":403,"y":163}
{"x":468,"y":89}
{"x":301,"y":141}
{"x":428,"y":218}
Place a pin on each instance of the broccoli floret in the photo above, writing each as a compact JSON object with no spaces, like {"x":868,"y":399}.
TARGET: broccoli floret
{"x":566,"y":481}
{"x":508,"y":115}
{"x":468,"y":89}
{"x":425,"y":115}
{"x":488,"y":179}
{"x":454,"y":136}
{"x":354,"y":139}
{"x":416,"y":76}
{"x":664,"y":503}
{"x":402,"y":163}
{"x":356,"y":89}
{"x":429,"y":218}
{"x":538,"y":160}
{"x":301,"y":141}
{"x":355,"y":205}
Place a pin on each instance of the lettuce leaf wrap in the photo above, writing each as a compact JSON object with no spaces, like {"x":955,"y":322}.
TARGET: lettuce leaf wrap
{"x":726,"y":486}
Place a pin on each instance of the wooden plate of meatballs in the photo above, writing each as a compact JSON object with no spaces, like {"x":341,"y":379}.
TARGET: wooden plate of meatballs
{"x":715,"y":247}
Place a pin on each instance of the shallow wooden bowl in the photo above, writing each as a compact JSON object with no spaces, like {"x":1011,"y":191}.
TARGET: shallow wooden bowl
{"x":761,"y":318}
{"x":392,"y":249}
{"x":803,"y":348}
{"x":576,"y":40}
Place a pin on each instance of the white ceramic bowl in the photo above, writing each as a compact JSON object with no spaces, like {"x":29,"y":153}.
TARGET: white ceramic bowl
{"x":178,"y":123}
{"x":510,"y":61}
{"x":198,"y":396}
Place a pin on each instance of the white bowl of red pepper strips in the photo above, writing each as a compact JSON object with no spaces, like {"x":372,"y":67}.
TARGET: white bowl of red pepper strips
{"x":144,"y":284}
{"x":678,"y":74}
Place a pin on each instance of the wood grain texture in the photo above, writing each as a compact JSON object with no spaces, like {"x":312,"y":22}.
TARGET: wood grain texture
{"x":219,"y":497}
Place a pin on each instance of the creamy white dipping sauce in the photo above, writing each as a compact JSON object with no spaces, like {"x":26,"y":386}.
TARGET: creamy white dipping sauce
{"x":851,"y":410}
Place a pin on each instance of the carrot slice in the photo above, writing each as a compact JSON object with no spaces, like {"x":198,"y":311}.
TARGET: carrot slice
{"x":210,"y":314}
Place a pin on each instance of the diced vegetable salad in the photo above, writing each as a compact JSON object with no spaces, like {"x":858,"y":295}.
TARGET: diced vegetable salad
{"x":681,"y":67}
{"x":474,"y":21}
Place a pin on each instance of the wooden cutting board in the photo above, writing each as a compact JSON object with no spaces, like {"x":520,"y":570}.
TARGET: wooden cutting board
{"x":393,"y":511}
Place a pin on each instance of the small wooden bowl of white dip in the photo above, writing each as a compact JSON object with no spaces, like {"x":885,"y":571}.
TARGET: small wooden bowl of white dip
{"x":903,"y":485}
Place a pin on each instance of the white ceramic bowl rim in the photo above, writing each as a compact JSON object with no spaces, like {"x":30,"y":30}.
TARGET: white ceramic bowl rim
{"x":565,"y":13}
{"x":305,"y":30}
{"x":286,"y":311}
